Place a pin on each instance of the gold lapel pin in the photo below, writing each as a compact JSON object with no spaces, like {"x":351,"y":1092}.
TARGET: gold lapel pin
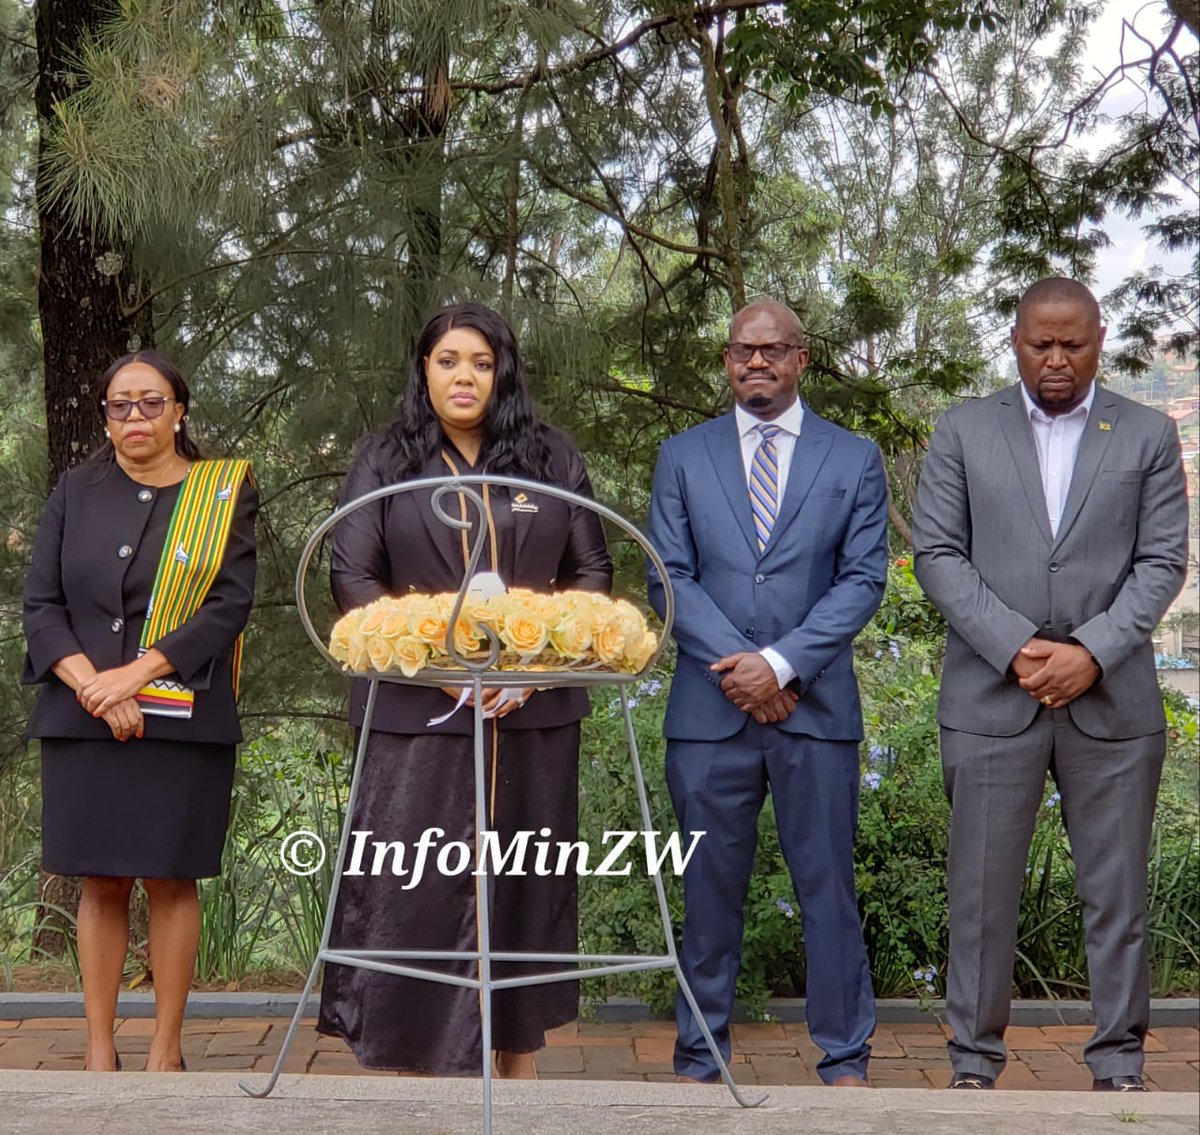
{"x":1105,"y":424}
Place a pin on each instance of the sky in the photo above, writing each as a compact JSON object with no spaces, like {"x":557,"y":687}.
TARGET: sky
{"x":1130,"y":251}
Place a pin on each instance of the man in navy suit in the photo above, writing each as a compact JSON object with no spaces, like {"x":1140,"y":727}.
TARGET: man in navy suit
{"x":772,"y":524}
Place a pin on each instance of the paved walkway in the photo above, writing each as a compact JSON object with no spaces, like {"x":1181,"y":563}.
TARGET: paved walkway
{"x":904,"y":1055}
{"x":49,"y":1103}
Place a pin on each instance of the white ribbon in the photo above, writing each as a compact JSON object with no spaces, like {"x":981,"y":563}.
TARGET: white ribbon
{"x":483,"y":586}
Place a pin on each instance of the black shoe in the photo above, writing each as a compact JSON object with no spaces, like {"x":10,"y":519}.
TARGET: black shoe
{"x":1119,"y":1084}
{"x":972,"y":1081}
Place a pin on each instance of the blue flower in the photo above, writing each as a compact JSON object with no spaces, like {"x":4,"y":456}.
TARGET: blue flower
{"x":871,"y":780}
{"x":787,"y":908}
{"x":880,"y":755}
{"x":651,"y":687}
{"x":1053,"y":799}
{"x":927,"y":976}
{"x":894,"y":649}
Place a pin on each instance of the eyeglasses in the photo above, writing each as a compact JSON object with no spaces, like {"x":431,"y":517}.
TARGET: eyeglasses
{"x":771,"y":352}
{"x":119,"y":409}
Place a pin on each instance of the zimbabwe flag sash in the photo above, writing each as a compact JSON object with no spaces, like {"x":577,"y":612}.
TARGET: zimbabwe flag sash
{"x":191,"y":558}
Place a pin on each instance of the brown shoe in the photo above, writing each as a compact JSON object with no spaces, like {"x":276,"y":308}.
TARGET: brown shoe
{"x":850,"y":1082}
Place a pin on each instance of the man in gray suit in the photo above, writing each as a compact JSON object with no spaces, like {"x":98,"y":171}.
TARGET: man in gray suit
{"x":1051,"y":531}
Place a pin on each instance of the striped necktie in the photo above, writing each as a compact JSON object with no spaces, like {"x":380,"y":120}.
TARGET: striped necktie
{"x":764,"y":485}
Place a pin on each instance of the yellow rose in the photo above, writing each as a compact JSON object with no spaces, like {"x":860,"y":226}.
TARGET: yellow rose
{"x":409,"y":654}
{"x":525,"y":632}
{"x":552,"y":608}
{"x":608,"y":639}
{"x":357,"y":657}
{"x":584,"y":603}
{"x":392,"y":623}
{"x":572,"y":637}
{"x":467,"y":635}
{"x":379,"y":651}
{"x":485,"y":613}
{"x":632,"y":619}
{"x":339,"y":637}
{"x":639,"y":658}
{"x":427,"y":623}
{"x":370,"y":618}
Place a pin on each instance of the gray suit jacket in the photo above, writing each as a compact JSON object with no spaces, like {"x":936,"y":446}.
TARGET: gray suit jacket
{"x":986,"y":558}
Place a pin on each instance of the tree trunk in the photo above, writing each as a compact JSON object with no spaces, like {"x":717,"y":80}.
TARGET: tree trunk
{"x":84,"y":283}
{"x":427,"y":139}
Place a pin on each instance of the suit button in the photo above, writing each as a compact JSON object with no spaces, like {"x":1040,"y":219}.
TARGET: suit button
{"x":1047,"y":626}
{"x":124,"y":551}
{"x":117,"y":626}
{"x":1054,"y":565}
{"x":145,"y":496}
{"x":760,"y":578}
{"x":749,"y":632}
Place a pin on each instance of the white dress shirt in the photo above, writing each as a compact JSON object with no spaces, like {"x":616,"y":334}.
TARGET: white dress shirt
{"x":789,"y":423}
{"x":1056,"y":438}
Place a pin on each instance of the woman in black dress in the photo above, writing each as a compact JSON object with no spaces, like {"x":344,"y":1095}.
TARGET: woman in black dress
{"x":127,"y":792}
{"x":466,"y":410}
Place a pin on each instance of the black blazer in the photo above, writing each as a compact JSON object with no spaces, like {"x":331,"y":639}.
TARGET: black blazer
{"x":397,"y":545}
{"x":74,"y":604}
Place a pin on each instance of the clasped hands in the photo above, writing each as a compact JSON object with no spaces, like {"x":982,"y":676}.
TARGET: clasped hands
{"x":491,"y":698}
{"x":751,"y":684}
{"x":110,"y":694}
{"x":1055,"y":673}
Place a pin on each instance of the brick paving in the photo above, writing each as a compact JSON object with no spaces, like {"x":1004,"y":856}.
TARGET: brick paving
{"x":904,"y":1055}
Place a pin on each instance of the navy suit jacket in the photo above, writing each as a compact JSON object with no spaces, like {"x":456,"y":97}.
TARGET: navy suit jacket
{"x":807,"y":594}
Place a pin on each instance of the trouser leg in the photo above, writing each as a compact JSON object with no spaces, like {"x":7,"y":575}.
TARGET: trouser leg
{"x":995,"y":787}
{"x":814,"y":790}
{"x":1109,"y":790}
{"x":718,"y":788}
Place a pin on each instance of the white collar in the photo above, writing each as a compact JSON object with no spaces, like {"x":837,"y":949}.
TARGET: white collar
{"x":789,"y":421}
{"x":1082,"y":410}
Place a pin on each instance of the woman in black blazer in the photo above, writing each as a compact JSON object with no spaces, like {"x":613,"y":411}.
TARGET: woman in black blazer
{"x":465,"y":411}
{"x":126,"y":792}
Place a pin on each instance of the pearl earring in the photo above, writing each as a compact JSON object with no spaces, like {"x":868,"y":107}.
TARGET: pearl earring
{"x":177,"y":427}
{"x":107,"y":434}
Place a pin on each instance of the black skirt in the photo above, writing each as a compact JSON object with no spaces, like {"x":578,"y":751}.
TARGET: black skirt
{"x":410,"y":784}
{"x":136,"y":809}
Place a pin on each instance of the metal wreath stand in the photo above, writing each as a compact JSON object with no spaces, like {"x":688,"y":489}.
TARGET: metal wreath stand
{"x":476,"y":675}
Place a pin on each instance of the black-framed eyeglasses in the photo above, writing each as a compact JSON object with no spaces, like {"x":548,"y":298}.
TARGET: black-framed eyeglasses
{"x":771,"y":352}
{"x":119,"y":409}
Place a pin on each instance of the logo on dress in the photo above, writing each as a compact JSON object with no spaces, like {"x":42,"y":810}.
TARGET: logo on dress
{"x":225,"y":493}
{"x":180,"y":555}
{"x":522,"y":503}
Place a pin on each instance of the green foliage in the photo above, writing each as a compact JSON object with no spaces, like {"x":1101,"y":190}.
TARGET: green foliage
{"x":849,"y":50}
